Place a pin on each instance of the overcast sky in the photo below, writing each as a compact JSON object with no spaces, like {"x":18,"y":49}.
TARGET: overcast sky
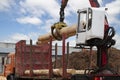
{"x":28,"y":19}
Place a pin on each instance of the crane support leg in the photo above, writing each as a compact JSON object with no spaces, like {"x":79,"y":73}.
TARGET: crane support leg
{"x":102,"y":50}
{"x":102,"y":57}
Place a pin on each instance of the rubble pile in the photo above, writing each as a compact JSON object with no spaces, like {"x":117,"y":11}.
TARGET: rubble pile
{"x":84,"y":60}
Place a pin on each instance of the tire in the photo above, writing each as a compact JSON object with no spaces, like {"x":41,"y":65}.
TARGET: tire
{"x":10,"y":77}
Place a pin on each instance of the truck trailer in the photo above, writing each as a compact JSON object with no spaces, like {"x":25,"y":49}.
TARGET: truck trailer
{"x":34,"y":62}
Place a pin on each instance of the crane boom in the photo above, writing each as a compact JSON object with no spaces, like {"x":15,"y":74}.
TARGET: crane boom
{"x":94,"y":3}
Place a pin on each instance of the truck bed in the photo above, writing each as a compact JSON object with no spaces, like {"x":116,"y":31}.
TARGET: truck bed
{"x":32,"y":57}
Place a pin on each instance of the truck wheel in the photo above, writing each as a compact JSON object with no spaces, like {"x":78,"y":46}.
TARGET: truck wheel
{"x":10,"y":77}
{"x":80,"y":77}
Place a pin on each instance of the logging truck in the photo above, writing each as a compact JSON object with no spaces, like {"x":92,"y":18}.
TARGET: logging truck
{"x":34,"y":62}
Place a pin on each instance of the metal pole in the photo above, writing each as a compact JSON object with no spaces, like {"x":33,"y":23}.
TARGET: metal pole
{"x":50,"y":58}
{"x":22,"y":52}
{"x":99,"y":63}
{"x":31,"y":61}
{"x":63,"y":57}
{"x":67,"y":54}
{"x":55,"y":55}
{"x":91,"y":61}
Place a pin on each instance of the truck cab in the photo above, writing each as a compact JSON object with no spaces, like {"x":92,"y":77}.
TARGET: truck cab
{"x":9,"y":64}
{"x":90,"y":25}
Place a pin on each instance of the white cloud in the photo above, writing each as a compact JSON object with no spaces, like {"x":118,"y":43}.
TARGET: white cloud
{"x":113,"y":11}
{"x":5,"y":5}
{"x":20,"y":36}
{"x":16,"y":37}
{"x":114,"y":7}
{"x":78,"y":4}
{"x":29,"y":20}
{"x":41,"y":7}
{"x":47,"y":24}
{"x":23,"y":11}
{"x":117,"y":38}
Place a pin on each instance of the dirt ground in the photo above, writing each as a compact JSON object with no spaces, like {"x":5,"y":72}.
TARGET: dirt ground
{"x":84,"y":60}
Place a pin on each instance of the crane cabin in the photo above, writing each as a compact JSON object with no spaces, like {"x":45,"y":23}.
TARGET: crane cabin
{"x":90,"y":25}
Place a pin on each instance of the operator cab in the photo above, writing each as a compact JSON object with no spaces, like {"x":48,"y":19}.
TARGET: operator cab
{"x":90,"y":25}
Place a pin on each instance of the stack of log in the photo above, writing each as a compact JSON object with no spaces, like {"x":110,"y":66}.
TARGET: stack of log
{"x":57,"y":72}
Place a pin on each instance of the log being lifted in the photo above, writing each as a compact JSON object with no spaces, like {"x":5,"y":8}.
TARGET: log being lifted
{"x":68,"y":31}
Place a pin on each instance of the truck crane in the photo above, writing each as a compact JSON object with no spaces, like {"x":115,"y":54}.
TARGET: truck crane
{"x":92,"y":30}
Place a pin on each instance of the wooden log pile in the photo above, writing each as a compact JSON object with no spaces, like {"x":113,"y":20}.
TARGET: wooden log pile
{"x":57,"y":72}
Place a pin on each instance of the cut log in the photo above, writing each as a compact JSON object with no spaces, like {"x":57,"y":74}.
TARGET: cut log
{"x":57,"y":72}
{"x":69,"y":31}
